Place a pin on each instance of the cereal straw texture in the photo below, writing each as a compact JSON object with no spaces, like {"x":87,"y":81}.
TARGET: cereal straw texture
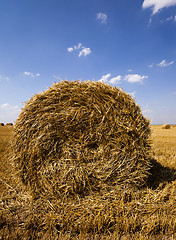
{"x":79,"y":137}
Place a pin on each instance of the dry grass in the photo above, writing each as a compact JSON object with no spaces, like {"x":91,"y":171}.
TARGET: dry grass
{"x":5,"y":133}
{"x":118,"y":212}
{"x":164,"y":142}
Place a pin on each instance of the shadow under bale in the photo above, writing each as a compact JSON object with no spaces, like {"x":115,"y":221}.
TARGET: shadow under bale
{"x":160,"y":174}
{"x":78,"y":137}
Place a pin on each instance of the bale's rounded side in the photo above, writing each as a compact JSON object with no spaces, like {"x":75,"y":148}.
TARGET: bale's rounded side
{"x":78,"y":137}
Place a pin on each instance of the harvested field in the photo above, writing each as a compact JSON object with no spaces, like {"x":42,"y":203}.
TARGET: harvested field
{"x":117,"y":211}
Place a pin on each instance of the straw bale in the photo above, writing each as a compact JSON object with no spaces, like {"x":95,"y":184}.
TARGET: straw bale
{"x":9,"y":124}
{"x":78,"y":137}
{"x":166,"y":126}
{"x":1,"y":124}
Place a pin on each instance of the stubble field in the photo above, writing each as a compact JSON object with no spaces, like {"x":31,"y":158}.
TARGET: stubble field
{"x":147,"y":213}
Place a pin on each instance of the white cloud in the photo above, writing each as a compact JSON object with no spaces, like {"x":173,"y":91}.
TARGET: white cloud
{"x":131,"y":78}
{"x":115,"y":80}
{"x":151,"y":65}
{"x":164,"y":63}
{"x":134,"y":78}
{"x":80,"y":49}
{"x":102,"y":17}
{"x":9,"y":113}
{"x":2,"y":79}
{"x":107,"y":79}
{"x":70,"y":49}
{"x":4,"y":106}
{"x":84,"y":52}
{"x":169,"y":18}
{"x":29,"y":74}
{"x":156,"y":5}
{"x":78,"y":46}
{"x":147,"y":111}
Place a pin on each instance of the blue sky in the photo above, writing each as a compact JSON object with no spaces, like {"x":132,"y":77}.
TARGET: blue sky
{"x":130,"y":44}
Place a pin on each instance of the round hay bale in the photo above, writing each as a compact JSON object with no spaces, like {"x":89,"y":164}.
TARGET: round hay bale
{"x":166,"y":126}
{"x":9,"y":124}
{"x":78,"y":137}
{"x":1,"y":124}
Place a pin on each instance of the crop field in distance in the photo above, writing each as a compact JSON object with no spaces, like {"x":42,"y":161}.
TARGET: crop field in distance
{"x":147,"y":213}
